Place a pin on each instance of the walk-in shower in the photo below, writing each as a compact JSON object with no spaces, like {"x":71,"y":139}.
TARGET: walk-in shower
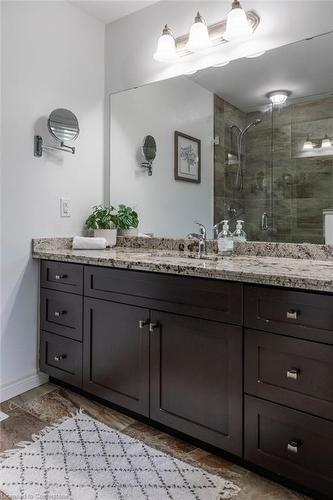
{"x":240,"y":156}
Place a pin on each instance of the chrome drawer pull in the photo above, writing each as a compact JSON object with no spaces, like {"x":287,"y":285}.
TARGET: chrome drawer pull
{"x":293,"y":374}
{"x":59,"y":357}
{"x":60,"y":276}
{"x":292,"y":314}
{"x":59,"y":313}
{"x":293,"y":446}
{"x":153,"y":326}
{"x":143,"y":323}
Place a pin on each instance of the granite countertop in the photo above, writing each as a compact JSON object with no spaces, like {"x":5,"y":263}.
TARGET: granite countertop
{"x":308,"y":274}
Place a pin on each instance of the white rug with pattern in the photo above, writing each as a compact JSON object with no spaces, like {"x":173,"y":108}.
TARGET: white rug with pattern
{"x":83,"y":459}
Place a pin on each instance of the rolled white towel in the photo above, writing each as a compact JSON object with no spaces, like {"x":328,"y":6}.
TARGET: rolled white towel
{"x":83,"y":243}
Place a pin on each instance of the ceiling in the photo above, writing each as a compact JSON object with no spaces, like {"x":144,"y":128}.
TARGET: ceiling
{"x":109,"y":11}
{"x":305,"y":68}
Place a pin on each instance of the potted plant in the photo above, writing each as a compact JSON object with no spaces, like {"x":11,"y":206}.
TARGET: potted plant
{"x":127,"y":221}
{"x":103,"y":222}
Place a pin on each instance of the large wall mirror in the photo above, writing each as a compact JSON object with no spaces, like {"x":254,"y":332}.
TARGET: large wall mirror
{"x":270,"y":165}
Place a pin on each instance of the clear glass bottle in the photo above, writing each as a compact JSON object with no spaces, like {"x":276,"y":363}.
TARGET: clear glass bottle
{"x":239,"y":234}
{"x":224,"y":240}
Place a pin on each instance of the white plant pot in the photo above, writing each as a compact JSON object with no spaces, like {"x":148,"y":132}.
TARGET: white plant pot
{"x":128,"y":232}
{"x":109,"y":234}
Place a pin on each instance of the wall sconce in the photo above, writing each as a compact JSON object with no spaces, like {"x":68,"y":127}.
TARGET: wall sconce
{"x":149,"y":153}
{"x":239,"y":25}
{"x":322,"y":144}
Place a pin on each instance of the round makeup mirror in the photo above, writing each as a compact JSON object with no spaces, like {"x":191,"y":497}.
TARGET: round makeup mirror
{"x":63,"y":125}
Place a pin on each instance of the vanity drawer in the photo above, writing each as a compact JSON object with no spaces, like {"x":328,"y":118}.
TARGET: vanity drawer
{"x":290,"y":443}
{"x":62,"y":276}
{"x":197,"y":297}
{"x":299,"y":314}
{"x":61,"y":358}
{"x":61,"y":313}
{"x":294,"y":372}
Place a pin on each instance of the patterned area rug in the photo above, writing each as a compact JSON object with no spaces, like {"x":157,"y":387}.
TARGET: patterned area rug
{"x":83,"y":459}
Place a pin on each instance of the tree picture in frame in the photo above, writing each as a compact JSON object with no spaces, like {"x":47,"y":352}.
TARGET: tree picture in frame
{"x":187,"y":158}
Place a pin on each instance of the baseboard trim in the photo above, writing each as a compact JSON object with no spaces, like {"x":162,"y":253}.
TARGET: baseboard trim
{"x":17,"y":387}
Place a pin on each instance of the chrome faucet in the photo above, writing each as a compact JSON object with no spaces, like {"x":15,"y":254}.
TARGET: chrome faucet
{"x":202,"y":237}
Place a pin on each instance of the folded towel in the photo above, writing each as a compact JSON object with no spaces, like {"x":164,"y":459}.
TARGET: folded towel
{"x":82,"y":243}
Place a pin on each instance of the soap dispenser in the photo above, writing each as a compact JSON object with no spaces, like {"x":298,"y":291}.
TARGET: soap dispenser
{"x":224,"y":240}
{"x":239,"y":233}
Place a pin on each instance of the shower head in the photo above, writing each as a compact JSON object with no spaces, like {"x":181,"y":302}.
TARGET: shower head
{"x":252,"y":124}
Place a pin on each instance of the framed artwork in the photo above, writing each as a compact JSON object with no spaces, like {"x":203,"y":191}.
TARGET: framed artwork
{"x":187,"y":158}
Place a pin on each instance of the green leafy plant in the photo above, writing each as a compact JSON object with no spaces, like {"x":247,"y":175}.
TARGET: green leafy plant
{"x":127,"y":218}
{"x":102,"y":217}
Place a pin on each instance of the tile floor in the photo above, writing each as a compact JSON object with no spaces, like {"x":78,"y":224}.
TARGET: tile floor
{"x":35,"y":409}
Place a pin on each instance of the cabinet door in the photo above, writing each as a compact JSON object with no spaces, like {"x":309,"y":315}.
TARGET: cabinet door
{"x":196,"y":378}
{"x":116,"y":354}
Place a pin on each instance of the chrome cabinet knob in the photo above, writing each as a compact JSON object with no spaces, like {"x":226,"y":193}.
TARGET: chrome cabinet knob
{"x":59,"y":357}
{"x":293,"y":373}
{"x":293,"y":446}
{"x":291,"y":314}
{"x":143,"y":323}
{"x":60,"y":276}
{"x":153,"y":326}
{"x":59,"y":313}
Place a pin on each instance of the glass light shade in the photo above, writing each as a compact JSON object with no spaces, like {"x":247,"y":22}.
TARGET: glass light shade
{"x":279,"y":97}
{"x":308,"y":145}
{"x":326,"y":143}
{"x":238,"y":25}
{"x":199,"y":37}
{"x":166,"y":47}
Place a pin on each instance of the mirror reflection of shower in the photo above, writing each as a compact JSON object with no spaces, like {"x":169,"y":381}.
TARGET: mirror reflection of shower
{"x":239,"y":183}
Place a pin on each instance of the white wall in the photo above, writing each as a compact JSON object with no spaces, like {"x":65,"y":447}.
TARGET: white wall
{"x":166,"y":207}
{"x":282,"y":22}
{"x":52,"y":56}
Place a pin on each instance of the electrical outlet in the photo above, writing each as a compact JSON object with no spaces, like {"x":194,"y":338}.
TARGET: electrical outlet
{"x":65,"y":207}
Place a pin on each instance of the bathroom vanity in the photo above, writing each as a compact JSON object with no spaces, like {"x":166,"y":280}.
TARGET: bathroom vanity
{"x":242,"y":366}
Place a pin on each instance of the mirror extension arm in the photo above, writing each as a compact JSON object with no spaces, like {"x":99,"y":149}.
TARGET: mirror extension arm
{"x":38,"y":147}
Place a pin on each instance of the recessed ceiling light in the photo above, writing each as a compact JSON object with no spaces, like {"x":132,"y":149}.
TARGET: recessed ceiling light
{"x":278,"y":97}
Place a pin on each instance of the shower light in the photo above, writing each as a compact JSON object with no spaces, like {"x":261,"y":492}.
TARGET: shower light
{"x":308,"y":145}
{"x":326,"y":142}
{"x":238,"y":25}
{"x":166,"y":47}
{"x":278,"y":97}
{"x":199,"y":37}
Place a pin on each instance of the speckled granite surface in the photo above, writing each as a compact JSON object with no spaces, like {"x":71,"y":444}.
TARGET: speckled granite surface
{"x":276,"y":271}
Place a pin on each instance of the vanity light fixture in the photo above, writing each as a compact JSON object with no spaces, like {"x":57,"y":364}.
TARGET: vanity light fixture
{"x":308,"y":144}
{"x":238,"y":24}
{"x":199,"y":38}
{"x":326,"y":142}
{"x":278,"y":97}
{"x":166,"y":47}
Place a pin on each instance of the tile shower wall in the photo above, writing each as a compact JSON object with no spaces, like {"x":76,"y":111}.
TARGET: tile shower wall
{"x":290,"y":185}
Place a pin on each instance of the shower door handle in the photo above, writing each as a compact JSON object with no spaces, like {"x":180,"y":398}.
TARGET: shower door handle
{"x":264,"y":221}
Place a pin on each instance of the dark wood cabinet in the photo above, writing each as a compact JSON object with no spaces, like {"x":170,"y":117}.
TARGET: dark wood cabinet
{"x":253,"y":379}
{"x":293,"y":372}
{"x":116,"y":353}
{"x":290,"y":443}
{"x":196,"y":378}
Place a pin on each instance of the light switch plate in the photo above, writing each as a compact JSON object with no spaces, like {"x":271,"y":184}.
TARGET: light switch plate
{"x":65,"y":207}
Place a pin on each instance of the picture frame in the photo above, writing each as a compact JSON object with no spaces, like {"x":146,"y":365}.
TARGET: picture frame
{"x":187,"y":158}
